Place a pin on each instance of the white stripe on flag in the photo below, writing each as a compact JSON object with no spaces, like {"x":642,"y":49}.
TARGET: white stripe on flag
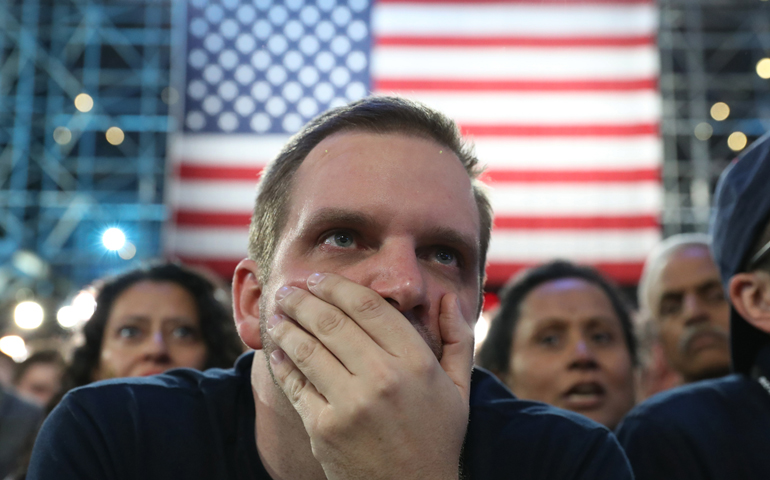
{"x":576,"y":200}
{"x":498,"y":63}
{"x":234,"y":150}
{"x":507,"y":198}
{"x":583,"y":246}
{"x":545,"y":109}
{"x":560,"y":20}
{"x":220,"y":242}
{"x":515,"y":153}
{"x":521,"y":153}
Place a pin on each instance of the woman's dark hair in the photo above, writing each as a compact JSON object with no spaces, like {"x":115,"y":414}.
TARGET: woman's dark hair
{"x":495,"y":352}
{"x":223,"y":346}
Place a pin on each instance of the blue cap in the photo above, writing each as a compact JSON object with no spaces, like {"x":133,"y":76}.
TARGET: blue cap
{"x":741,"y":212}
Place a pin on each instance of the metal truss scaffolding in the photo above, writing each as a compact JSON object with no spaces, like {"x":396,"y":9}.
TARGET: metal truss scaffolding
{"x":62,"y":183}
{"x":709,"y":51}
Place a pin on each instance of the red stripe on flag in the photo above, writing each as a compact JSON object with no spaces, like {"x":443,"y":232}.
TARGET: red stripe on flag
{"x":224,"y":268}
{"x":526,"y":2}
{"x":211,"y":219}
{"x":245,"y":174}
{"x":428,"y":85}
{"x":219,"y":172}
{"x":572,"y":176}
{"x":548,"y":42}
{"x":491,"y":301}
{"x":561,"y":130}
{"x":222,"y":219}
{"x":624,"y":273}
{"x":623,"y":222}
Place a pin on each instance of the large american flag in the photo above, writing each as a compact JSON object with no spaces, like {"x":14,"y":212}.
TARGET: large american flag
{"x":560,"y":98}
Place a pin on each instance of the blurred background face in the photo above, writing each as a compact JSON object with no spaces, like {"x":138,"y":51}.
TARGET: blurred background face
{"x":693,"y":315}
{"x":40,"y":382}
{"x":152,"y":327}
{"x":569,"y":351}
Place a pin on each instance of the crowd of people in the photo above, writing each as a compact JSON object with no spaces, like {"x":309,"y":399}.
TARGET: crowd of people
{"x":354,"y":346}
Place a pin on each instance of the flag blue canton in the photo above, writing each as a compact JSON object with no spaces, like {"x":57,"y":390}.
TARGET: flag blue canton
{"x":268,"y":67}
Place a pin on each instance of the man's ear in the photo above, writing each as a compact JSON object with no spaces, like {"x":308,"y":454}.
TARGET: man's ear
{"x":750,"y":295}
{"x":247,"y":291}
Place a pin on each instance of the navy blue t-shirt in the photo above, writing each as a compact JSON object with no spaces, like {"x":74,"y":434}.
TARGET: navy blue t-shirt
{"x":200,"y":425}
{"x":711,"y":430}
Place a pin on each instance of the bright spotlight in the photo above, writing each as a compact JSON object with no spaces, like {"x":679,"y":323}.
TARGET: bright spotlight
{"x":128,"y":251}
{"x":737,"y":141}
{"x":115,"y":135}
{"x":67,"y":316}
{"x":28,"y":315}
{"x":84,"y":102}
{"x":480,"y":330}
{"x":763,"y":68}
{"x":113,"y":239}
{"x":14,"y":347}
{"x":84,"y":305}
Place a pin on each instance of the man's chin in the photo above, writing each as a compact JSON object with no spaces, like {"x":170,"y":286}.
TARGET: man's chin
{"x":711,"y":364}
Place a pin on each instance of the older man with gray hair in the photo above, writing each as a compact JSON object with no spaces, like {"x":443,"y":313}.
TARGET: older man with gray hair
{"x":684,"y":312}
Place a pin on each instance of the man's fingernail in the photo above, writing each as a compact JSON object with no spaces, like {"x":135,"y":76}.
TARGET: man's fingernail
{"x":315,"y":279}
{"x":274,"y":320}
{"x":277,"y":356}
{"x":282,"y":292}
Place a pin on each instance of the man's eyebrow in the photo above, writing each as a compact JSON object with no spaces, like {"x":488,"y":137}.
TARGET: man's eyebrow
{"x":337,"y":216}
{"x":709,"y":284}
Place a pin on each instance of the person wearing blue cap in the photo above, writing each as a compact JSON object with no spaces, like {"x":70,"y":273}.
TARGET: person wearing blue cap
{"x":720,"y":428}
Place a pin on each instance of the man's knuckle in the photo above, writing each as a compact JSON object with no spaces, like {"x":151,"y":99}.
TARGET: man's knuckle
{"x":304,"y":351}
{"x":295,"y":387}
{"x":423,"y":365}
{"x":387,"y":383}
{"x":329,"y":322}
{"x":370,"y":304}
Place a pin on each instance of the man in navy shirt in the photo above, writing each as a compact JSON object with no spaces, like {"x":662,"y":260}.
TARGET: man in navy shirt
{"x":720,"y":429}
{"x":364,"y":278}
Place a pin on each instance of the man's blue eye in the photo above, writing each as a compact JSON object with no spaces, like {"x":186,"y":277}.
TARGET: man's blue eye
{"x":445,"y":257}
{"x":340,"y":239}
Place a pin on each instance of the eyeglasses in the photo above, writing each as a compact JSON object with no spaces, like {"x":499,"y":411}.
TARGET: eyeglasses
{"x":761,"y":254}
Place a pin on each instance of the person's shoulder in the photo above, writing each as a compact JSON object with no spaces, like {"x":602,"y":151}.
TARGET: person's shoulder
{"x":689,"y":400}
{"x":136,"y":425}
{"x":707,"y":429}
{"x":177,"y":378}
{"x":13,"y":406}
{"x":177,"y":385}
{"x":509,"y":437}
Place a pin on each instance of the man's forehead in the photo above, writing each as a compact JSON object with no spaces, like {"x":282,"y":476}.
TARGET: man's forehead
{"x":688,"y":266}
{"x":371,"y":164}
{"x":383,"y":178}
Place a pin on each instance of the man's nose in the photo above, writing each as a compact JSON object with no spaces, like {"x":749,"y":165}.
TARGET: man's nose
{"x":694,"y":310}
{"x":397,"y":275}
